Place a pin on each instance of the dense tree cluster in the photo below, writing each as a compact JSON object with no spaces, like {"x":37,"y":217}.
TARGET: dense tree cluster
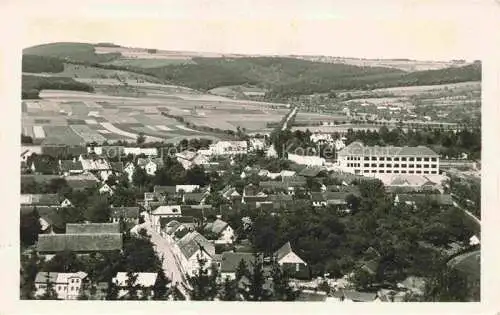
{"x":39,"y":64}
{"x":32,"y":85}
{"x":332,"y":243}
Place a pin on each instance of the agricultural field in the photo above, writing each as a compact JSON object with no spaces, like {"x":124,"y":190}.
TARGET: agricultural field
{"x":71,"y":117}
{"x":142,"y":62}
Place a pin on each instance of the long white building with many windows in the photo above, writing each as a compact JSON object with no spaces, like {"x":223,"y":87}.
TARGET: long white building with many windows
{"x":370,"y":161}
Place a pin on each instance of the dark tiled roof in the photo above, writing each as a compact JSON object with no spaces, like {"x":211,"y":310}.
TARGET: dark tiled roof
{"x":92,"y":228}
{"x":42,"y":277}
{"x":272,"y":184}
{"x":283,"y":251}
{"x":125,"y":212}
{"x":191,"y":243}
{"x":280,"y":197}
{"x":69,"y":165}
{"x":50,"y":243}
{"x":335,"y":195}
{"x":444,"y":200}
{"x":230,"y":261}
{"x":317,"y":196}
{"x":310,"y":171}
{"x":44,"y":199}
{"x":51,"y":216}
{"x":216,"y":227}
{"x":357,"y":148}
{"x":164,"y":189}
{"x":196,"y":197}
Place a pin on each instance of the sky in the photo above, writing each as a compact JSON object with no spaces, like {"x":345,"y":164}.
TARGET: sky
{"x":415,"y":29}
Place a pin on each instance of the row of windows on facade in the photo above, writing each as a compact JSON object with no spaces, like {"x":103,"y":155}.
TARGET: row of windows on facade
{"x":386,"y":158}
{"x":397,"y":172}
{"x":60,"y":288}
{"x":393,"y":165}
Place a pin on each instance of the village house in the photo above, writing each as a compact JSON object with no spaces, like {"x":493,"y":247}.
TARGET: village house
{"x":127,"y":214}
{"x":167,"y":211}
{"x":256,"y":144}
{"x":188,"y":159}
{"x":94,"y":165}
{"x":68,"y":286}
{"x":442,"y":200}
{"x":82,"y":181}
{"x":150,"y":165}
{"x":144,"y":280}
{"x":288,"y":260}
{"x":310,"y":160}
{"x":194,"y":246}
{"x":222,"y":230}
{"x":230,"y":261}
{"x":45,"y":200}
{"x":197,"y":198}
{"x":106,"y":189}
{"x":186,"y":188}
{"x":49,"y":218}
{"x":177,"y":227}
{"x":81,"y":239}
{"x":70,"y":167}
{"x":229,"y":148}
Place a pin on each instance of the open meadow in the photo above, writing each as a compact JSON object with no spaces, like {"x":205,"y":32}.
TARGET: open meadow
{"x":118,"y":111}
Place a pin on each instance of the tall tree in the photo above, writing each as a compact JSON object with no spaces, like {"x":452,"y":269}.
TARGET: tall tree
{"x":282,"y":291}
{"x":257,"y":280}
{"x":131,"y":286}
{"x":204,"y":284}
{"x":242,"y":270}
{"x":50,"y":293}
{"x":160,"y":289}
{"x":229,"y":290}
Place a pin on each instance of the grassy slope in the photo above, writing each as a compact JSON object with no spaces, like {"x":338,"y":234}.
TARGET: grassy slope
{"x":283,"y":77}
{"x":72,"y":51}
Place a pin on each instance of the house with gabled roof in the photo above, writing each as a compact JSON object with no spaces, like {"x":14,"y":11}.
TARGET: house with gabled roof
{"x":415,"y":199}
{"x":194,"y":198}
{"x":222,"y":230}
{"x":194,"y":246}
{"x":45,"y":200}
{"x":289,"y":260}
{"x":106,"y":189}
{"x":82,"y":181}
{"x":85,"y":243}
{"x":164,"y":211}
{"x":127,"y":214}
{"x":67,"y":286}
{"x":70,"y":167}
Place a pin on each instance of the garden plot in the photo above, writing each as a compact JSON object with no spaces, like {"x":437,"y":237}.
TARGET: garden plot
{"x":87,"y":134}
{"x":163,"y":128}
{"x":127,"y":134}
{"x":186,"y":128}
{"x":78,"y":108}
{"x":90,"y":121}
{"x":62,"y":135}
